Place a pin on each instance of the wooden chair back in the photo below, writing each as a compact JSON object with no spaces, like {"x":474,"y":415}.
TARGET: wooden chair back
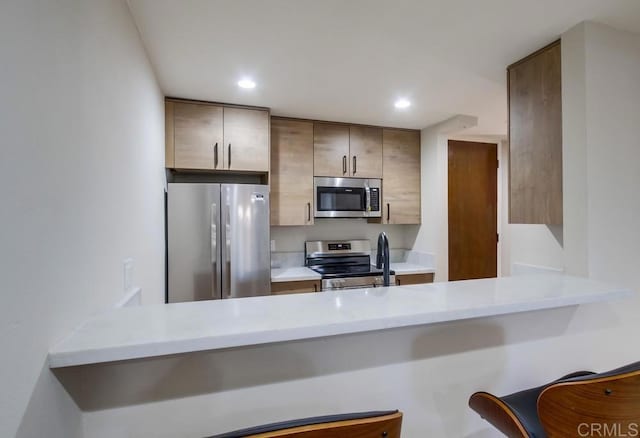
{"x":606,"y":404}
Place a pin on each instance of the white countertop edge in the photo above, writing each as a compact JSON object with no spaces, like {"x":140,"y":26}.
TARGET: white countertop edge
{"x":165,"y":348}
{"x":412,"y":271}
{"x":299,"y":273}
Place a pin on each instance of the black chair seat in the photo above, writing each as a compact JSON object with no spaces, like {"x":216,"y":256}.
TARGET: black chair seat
{"x":302,"y":422}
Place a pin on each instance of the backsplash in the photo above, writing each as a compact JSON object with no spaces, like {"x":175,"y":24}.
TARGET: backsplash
{"x":296,"y":258}
{"x":291,"y":239}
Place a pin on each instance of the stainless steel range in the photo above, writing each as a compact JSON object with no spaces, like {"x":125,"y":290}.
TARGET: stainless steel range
{"x":343,"y":264}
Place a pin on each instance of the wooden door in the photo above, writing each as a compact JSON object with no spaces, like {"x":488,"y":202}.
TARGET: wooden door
{"x":330,"y":149}
{"x":197,"y":130}
{"x":535,"y":138}
{"x":246,"y":139}
{"x":291,"y":172}
{"x":401,"y":177}
{"x":365,"y":147}
{"x":473,"y":210}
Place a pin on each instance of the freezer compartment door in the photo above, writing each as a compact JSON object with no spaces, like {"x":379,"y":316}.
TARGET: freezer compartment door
{"x":193,"y":242}
{"x":246,"y":268}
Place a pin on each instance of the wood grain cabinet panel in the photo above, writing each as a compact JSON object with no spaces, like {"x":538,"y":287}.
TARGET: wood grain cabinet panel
{"x":407,"y":279}
{"x":330,"y":149}
{"x":291,"y":172}
{"x":295,"y":287}
{"x":197,"y":128}
{"x":401,"y":177}
{"x":246,"y":139}
{"x":535,"y":138}
{"x":207,"y":136}
{"x":365,"y":148}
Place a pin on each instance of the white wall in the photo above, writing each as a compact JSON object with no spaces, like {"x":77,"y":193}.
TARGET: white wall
{"x":432,"y":235}
{"x":82,"y":188}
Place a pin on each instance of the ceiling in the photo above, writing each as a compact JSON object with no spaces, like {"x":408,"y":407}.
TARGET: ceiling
{"x":349,"y":60}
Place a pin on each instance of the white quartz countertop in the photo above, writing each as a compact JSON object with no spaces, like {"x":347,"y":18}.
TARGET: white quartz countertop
{"x":410,"y":268}
{"x":163,"y":329}
{"x":299,"y":273}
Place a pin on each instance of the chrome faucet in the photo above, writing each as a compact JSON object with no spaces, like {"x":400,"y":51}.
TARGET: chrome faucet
{"x":382,"y":258}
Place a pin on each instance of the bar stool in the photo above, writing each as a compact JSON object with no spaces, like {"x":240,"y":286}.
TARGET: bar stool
{"x":579,"y":404}
{"x":375,"y":424}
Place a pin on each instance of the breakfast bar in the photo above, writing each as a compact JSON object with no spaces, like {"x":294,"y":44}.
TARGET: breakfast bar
{"x":160,"y":330}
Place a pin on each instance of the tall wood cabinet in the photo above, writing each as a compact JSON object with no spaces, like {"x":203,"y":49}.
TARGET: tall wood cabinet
{"x":401,"y":177}
{"x":342,"y":150}
{"x":203,"y":136}
{"x":291,"y":172}
{"x":535,"y":138}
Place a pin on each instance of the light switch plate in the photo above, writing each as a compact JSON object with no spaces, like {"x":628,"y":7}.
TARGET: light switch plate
{"x":127,"y":273}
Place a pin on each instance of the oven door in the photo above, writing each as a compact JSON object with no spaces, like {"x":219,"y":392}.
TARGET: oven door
{"x":346,"y":197}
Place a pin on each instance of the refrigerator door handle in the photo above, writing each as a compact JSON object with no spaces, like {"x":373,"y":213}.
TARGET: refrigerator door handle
{"x":227,"y":266}
{"x":214,"y":250}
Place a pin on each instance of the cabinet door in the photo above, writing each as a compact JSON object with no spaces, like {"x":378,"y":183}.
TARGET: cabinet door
{"x":291,"y":172}
{"x":197,"y":129}
{"x":535,"y":138}
{"x":330,"y":150}
{"x":246,"y":140}
{"x":401,"y":177}
{"x":365,"y":146}
{"x":408,"y":279}
{"x":295,"y":287}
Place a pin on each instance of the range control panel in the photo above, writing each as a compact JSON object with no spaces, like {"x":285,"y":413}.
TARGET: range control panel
{"x":339,"y":246}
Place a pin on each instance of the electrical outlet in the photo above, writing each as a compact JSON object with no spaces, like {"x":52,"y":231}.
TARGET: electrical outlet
{"x":127,"y":274}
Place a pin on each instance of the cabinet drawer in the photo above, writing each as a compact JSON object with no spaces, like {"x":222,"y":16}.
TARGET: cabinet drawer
{"x":405,"y":280}
{"x":295,"y":287}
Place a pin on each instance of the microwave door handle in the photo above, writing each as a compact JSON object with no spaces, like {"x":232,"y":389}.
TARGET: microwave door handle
{"x":367,"y":193}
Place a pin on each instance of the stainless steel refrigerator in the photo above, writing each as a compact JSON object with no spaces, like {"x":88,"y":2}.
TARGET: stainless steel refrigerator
{"x":217,"y":241}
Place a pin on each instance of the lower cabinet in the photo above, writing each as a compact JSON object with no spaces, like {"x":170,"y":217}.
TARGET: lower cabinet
{"x":295,"y":287}
{"x":407,"y":279}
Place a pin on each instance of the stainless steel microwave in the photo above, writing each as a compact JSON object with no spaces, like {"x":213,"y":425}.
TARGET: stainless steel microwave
{"x":347,"y":197}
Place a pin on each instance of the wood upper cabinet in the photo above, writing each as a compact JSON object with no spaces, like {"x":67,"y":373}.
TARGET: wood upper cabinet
{"x":246,"y":139}
{"x":347,"y":151}
{"x":365,"y":148}
{"x":401,"y":177}
{"x":197,"y":132}
{"x":330,"y":149}
{"x":206,"y":136}
{"x":535,"y":138}
{"x":291,"y":172}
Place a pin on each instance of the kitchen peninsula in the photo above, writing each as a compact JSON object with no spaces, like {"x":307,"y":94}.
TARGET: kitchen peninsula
{"x":160,"y":330}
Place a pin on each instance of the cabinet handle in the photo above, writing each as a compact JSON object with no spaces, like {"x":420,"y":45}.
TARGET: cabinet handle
{"x":229,"y":165}
{"x":215,"y":158}
{"x":354,"y":164}
{"x":308,"y":211}
{"x":344,"y":164}
{"x":315,"y":287}
{"x":388,"y":212}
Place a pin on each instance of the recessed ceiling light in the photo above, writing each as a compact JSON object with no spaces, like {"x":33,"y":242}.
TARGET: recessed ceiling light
{"x":246,"y":83}
{"x":402,"y":103}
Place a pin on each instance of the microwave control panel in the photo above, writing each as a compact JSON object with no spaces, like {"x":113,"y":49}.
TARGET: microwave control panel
{"x":375,"y":198}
